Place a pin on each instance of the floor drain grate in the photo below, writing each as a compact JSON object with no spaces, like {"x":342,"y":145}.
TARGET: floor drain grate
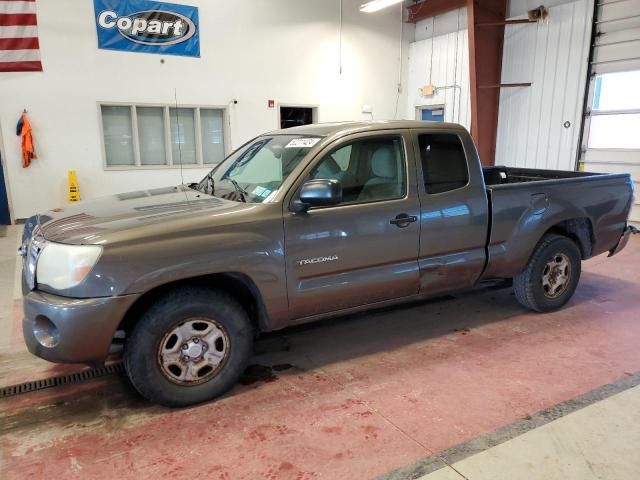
{"x":68,"y":379}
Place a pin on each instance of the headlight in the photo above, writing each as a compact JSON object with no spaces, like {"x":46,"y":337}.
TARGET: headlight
{"x":31,"y":248}
{"x":65,"y":266}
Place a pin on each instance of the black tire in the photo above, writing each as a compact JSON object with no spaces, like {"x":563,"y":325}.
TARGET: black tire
{"x":142,"y":354}
{"x":528,"y":285}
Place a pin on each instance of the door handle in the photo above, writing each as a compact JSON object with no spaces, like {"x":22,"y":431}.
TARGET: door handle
{"x":403,"y":220}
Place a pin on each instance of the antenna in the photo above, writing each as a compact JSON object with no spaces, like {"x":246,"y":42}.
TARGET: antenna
{"x":340,"y":36}
{"x":175,"y":96}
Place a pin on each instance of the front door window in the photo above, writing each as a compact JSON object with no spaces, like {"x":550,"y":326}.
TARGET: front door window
{"x":369,"y":170}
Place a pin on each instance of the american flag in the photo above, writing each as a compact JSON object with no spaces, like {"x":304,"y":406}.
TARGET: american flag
{"x":19,"y":47}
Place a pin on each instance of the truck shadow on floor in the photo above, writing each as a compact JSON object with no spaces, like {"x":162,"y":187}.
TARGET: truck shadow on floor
{"x":108,"y":402}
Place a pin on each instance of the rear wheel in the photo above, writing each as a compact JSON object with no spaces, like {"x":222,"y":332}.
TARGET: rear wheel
{"x":189,"y":346}
{"x":551,"y":276}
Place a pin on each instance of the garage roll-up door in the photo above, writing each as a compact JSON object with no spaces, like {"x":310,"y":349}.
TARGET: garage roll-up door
{"x":611,"y":138}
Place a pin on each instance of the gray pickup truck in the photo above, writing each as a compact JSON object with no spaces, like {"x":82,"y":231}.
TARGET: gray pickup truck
{"x":297,"y":225}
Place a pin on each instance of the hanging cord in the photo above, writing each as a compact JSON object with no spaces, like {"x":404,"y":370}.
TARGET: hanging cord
{"x":455,"y":85}
{"x":399,"y":86}
{"x":455,"y":76}
{"x":175,"y":96}
{"x":433,"y":34}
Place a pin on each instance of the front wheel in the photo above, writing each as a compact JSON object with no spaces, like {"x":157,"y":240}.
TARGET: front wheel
{"x":189,"y":346}
{"x":551,"y":276}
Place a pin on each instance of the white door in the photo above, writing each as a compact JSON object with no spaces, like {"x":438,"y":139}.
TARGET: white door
{"x":611,"y":138}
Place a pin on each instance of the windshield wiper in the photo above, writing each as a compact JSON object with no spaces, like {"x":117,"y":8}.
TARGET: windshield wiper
{"x":243,"y":193}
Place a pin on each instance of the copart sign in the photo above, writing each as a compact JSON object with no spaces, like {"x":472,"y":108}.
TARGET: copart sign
{"x":150,"y":27}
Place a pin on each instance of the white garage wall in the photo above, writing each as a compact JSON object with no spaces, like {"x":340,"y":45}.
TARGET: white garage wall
{"x":553,"y":55}
{"x":441,"y":56}
{"x":251,"y":51}
{"x":441,"y":24}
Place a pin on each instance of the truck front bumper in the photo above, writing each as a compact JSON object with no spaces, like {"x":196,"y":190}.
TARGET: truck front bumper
{"x":630,"y":230}
{"x":71,"y":330}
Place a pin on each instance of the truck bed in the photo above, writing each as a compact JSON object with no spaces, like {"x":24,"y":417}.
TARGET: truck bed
{"x":525,"y":203}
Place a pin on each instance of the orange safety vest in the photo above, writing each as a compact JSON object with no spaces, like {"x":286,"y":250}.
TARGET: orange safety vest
{"x":26,"y":140}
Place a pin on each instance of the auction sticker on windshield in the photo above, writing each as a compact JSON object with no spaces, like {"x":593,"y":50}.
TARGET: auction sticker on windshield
{"x":302,"y":142}
{"x":261,"y":192}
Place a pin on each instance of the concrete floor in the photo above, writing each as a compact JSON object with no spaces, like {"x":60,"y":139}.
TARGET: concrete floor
{"x":599,"y":441}
{"x":469,"y":387}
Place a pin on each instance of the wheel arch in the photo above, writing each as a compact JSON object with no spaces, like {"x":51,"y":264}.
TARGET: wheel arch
{"x":512,"y":256}
{"x":238,"y":285}
{"x":580,"y":230}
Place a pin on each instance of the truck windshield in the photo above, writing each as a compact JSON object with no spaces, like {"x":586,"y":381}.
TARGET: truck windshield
{"x":255,"y":172}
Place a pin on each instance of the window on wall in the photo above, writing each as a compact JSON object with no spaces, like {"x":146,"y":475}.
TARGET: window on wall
{"x":615,"y":113}
{"x":162,"y":136}
{"x":118,"y":137}
{"x":153,"y":147}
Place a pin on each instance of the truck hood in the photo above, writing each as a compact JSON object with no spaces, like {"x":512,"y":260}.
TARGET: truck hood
{"x":134,"y":215}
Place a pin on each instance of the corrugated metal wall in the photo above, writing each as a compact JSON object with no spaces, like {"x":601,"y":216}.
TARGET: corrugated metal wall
{"x":538,"y":126}
{"x":618,"y":42}
{"x":443,"y":61}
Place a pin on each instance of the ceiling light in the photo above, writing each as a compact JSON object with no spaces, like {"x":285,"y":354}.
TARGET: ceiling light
{"x":375,"y":5}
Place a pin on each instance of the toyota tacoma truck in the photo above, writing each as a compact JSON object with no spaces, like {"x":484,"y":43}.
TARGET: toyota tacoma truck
{"x":297,"y":225}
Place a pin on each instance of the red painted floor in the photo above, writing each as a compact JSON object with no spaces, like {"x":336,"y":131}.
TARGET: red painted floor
{"x":365,"y":394}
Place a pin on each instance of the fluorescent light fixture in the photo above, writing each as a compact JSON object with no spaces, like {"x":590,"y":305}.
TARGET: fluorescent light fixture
{"x":375,"y":5}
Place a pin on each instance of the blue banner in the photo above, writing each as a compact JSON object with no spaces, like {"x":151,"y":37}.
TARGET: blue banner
{"x":147,"y":26}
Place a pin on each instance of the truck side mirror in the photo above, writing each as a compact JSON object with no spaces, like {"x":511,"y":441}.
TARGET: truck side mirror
{"x":318,"y":193}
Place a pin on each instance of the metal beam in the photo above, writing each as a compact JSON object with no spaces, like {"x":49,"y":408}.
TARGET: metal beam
{"x":506,"y":85}
{"x":506,"y":22}
{"x":485,"y":68}
{"x":485,"y":62}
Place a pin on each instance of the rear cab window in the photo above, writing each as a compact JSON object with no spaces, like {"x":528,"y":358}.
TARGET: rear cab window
{"x":444,"y":162}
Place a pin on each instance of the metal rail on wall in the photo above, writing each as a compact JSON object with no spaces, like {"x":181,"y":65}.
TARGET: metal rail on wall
{"x":590,"y":74}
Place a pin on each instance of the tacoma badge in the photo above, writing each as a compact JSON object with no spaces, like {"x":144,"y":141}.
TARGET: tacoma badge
{"x":308,"y":261}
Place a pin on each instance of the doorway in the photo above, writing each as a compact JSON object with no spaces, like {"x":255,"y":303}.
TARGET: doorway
{"x":5,"y":216}
{"x":295,"y":116}
{"x":430,"y":113}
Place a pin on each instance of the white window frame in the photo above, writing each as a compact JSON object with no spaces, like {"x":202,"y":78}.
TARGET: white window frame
{"x":167,"y":135}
